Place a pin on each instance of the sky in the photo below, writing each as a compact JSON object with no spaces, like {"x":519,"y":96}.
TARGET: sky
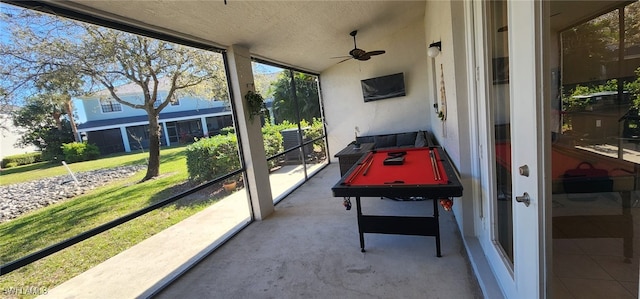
{"x":5,"y":11}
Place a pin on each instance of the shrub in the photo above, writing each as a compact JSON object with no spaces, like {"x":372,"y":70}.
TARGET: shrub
{"x":209,"y":158}
{"x":316,"y":130}
{"x":22,"y":159}
{"x":227,"y":130}
{"x":80,"y":151}
{"x":272,"y":140}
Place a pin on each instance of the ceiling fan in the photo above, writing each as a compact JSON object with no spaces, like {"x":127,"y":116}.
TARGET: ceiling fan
{"x":360,"y":54}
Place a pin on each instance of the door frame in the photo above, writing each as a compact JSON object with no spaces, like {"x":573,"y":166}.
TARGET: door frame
{"x":529,"y":74}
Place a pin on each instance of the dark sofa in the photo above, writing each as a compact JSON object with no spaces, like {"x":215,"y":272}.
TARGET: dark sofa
{"x":399,"y":140}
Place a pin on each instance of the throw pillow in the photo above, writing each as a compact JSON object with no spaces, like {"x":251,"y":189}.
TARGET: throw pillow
{"x":406,"y":139}
{"x":421,"y":140}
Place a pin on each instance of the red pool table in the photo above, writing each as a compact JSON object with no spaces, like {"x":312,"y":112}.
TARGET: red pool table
{"x":424,"y":172}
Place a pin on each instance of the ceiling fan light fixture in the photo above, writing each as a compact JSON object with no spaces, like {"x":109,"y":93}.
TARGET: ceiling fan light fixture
{"x":434,"y":49}
{"x":360,"y":54}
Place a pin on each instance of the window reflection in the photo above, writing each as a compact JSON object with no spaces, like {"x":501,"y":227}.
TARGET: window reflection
{"x":595,"y":154}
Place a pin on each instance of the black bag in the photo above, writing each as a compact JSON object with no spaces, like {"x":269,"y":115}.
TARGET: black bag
{"x":587,"y":179}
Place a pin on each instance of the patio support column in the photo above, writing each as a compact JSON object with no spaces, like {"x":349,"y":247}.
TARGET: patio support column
{"x":205,"y":129}
{"x":241,"y":76}
{"x":125,"y":139}
{"x":165,"y":132}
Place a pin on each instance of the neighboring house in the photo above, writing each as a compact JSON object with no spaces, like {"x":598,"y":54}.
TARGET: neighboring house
{"x":115,"y":127}
{"x":9,"y":135}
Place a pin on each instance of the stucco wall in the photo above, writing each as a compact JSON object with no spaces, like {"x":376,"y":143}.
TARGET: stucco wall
{"x":93,"y":110}
{"x":9,"y":135}
{"x":342,"y":93}
{"x":445,"y":22}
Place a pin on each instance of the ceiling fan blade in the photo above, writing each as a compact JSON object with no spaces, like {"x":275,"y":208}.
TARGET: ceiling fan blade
{"x":364,"y":57}
{"x":341,"y":61}
{"x":345,"y":56}
{"x":377,"y":52}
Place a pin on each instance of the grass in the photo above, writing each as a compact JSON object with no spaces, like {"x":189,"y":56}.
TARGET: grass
{"x":47,"y":226}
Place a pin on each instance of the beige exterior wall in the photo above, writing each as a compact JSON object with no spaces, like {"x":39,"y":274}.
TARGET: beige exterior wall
{"x":342,"y":93}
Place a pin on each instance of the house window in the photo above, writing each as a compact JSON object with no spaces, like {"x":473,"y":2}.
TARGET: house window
{"x":174,"y":102}
{"x":109,"y":105}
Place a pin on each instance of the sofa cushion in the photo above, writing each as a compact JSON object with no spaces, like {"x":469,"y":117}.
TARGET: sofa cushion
{"x":364,"y":139}
{"x":384,"y":141}
{"x":406,"y":139}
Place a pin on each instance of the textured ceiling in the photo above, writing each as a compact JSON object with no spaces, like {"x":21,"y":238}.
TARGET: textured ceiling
{"x":303,"y":34}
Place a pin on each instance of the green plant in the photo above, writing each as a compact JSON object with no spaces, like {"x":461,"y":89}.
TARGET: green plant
{"x":209,"y":158}
{"x":80,"y":151}
{"x":315,"y":131}
{"x":255,"y":104}
{"x":22,"y":159}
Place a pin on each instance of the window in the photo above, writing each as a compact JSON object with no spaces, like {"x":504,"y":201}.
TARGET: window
{"x":174,"y":102}
{"x":109,"y":105}
{"x":120,"y":198}
{"x":294,"y":120}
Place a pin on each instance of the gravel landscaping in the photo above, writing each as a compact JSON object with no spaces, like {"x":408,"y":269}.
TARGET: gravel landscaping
{"x":18,"y":199}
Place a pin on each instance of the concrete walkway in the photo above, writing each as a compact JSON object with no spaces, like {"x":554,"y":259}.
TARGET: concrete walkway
{"x":308,"y":248}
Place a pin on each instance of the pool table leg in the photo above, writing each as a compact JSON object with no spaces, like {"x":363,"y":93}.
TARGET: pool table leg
{"x":437,"y":224}
{"x":359,"y":209}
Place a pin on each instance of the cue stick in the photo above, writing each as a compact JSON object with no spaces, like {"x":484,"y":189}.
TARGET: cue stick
{"x":353,"y":176}
{"x":434,"y":164}
{"x":367,"y":168}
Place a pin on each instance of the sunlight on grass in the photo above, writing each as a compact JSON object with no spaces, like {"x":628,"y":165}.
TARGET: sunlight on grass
{"x":47,"y":226}
{"x":42,"y":170}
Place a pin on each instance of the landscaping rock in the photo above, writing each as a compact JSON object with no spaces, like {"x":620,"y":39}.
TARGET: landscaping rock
{"x":18,"y":199}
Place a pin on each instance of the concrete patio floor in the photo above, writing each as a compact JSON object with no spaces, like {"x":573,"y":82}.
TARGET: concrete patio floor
{"x":309,"y":249}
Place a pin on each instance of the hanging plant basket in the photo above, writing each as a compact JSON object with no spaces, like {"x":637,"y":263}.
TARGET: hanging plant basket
{"x":255,"y":104}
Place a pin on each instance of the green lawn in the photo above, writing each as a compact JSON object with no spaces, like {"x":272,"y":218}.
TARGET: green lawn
{"x":46,"y":169}
{"x":39,"y":229}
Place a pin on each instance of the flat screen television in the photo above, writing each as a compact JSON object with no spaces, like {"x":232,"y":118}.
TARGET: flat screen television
{"x":384,"y":87}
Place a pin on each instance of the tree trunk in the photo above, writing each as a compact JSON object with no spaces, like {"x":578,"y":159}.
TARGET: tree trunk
{"x":68,"y":105}
{"x":56,"y":117}
{"x":153,"y":168}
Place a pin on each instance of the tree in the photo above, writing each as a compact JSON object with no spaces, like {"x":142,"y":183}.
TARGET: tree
{"x":57,"y":49}
{"x":109,"y":57}
{"x":61,"y":84}
{"x":45,"y":125}
{"x":307,"y":104}
{"x":586,"y":48}
{"x":29,"y":66}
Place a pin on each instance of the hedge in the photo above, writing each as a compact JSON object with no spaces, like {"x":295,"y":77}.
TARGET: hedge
{"x":21,"y":159}
{"x":80,"y":151}
{"x":209,"y":158}
{"x":212,"y":157}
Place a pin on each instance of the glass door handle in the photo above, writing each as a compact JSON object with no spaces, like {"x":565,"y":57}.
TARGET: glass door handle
{"x":525,"y":199}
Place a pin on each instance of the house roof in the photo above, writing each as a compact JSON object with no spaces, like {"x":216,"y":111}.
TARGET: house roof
{"x":129,"y":88}
{"x":143,"y":118}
